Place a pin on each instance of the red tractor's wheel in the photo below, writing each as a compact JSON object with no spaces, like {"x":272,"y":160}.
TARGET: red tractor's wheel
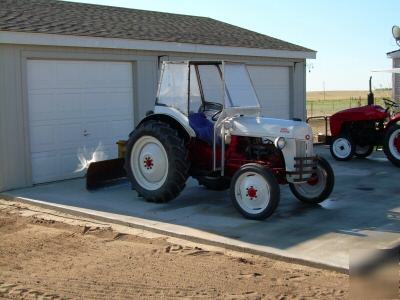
{"x":342,"y":148}
{"x":363,"y":151}
{"x":318,"y":187}
{"x":391,"y":144}
{"x":255,"y":191}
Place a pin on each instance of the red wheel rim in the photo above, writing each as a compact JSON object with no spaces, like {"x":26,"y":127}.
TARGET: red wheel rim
{"x":313,"y":180}
{"x":397,"y":143}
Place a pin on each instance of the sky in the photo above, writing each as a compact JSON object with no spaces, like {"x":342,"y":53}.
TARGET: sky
{"x":351,"y":37}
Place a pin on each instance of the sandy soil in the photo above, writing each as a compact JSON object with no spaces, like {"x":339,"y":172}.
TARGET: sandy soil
{"x":49,"y":255}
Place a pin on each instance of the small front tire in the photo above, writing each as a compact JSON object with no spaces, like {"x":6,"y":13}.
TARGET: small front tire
{"x":342,"y":148}
{"x":255,"y":192}
{"x":363,"y":151}
{"x":391,"y":144}
{"x":318,"y":187}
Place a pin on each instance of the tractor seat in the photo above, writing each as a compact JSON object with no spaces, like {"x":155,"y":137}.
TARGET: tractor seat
{"x":202,"y":126}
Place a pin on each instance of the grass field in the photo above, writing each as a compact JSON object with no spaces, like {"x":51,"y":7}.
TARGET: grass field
{"x":326,"y":104}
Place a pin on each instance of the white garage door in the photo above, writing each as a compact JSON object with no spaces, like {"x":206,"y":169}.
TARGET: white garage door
{"x":77,"y":111}
{"x":272,"y":85}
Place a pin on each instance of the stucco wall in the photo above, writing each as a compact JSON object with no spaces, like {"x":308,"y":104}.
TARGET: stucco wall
{"x":15,"y":166}
{"x":396,"y":80}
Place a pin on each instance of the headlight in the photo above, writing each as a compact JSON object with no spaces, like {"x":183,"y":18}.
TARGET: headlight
{"x":280,"y":143}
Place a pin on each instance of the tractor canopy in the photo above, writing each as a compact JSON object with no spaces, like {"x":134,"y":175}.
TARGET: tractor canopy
{"x":188,"y":85}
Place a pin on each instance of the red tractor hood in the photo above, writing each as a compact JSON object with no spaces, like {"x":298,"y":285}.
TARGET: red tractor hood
{"x":363,"y":113}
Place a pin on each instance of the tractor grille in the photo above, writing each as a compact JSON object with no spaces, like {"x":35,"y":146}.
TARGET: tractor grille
{"x":301,"y":149}
{"x":304,"y":166}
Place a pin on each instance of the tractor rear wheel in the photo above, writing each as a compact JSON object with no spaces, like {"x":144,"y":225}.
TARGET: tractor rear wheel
{"x":214,"y":183}
{"x":318,"y":187}
{"x":391,"y":144}
{"x":342,"y":148}
{"x":363,"y":151}
{"x":255,"y":191}
{"x":157,"y":161}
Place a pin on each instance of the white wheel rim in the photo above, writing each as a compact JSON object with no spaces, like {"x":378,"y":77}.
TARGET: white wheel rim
{"x":149,"y":163}
{"x":310,"y":191}
{"x":252,"y":192}
{"x":393,"y":146}
{"x":362,"y":149}
{"x":341,"y":147}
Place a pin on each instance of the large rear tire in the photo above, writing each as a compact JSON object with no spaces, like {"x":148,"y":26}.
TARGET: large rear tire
{"x":391,"y":144}
{"x":342,"y":148}
{"x":318,"y":187}
{"x":255,"y":192}
{"x":157,"y":161}
{"x":214,"y":183}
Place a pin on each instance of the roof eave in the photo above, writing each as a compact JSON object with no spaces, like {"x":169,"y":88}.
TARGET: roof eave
{"x":44,"y":39}
{"x":393,"y":54}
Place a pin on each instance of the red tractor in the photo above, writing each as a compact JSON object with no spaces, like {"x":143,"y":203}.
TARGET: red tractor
{"x":356,"y":131}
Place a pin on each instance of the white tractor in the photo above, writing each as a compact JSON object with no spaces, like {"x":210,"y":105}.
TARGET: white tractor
{"x":207,"y":124}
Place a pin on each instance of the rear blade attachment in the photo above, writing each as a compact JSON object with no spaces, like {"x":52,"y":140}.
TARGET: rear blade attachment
{"x":105,"y":173}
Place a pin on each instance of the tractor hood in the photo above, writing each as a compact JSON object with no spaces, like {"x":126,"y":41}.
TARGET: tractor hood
{"x":269,"y":127}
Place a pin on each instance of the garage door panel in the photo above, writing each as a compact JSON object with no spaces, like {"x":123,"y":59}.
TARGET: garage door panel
{"x":41,"y":106}
{"x":40,"y":75}
{"x":77,"y":111}
{"x":272,"y":85}
{"x":43,"y":166}
{"x":69,"y":75}
{"x":70,"y":165}
{"x":121,"y":128}
{"x":69,"y":135}
{"x":42,"y":137}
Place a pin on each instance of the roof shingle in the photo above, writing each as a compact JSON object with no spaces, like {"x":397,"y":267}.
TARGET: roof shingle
{"x":69,"y":18}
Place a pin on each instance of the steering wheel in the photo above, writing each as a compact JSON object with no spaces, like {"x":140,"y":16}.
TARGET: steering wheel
{"x":390,"y":104}
{"x":212,"y":106}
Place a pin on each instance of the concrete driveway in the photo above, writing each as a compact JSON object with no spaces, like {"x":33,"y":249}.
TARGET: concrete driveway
{"x":363,"y":212}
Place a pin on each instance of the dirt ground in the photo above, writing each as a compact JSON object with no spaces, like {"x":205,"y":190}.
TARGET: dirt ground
{"x":50,"y":255}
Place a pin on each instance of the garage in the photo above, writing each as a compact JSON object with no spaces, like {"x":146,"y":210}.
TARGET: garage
{"x":77,"y":110}
{"x":272,"y":86}
{"x":75,"y":78}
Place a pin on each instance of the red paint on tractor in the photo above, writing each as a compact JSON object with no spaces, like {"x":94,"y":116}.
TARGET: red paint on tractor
{"x":363,"y":113}
{"x":201,"y":156}
{"x":397,"y":143}
{"x":235,"y":157}
{"x":313,"y":180}
{"x":148,"y":163}
{"x":251,"y":192}
{"x":394,"y":120}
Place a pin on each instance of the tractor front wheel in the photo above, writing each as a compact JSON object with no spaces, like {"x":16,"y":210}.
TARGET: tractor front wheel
{"x":157,"y":161}
{"x":255,"y":191}
{"x":363,"y":151}
{"x":391,"y":144}
{"x":318,"y":187}
{"x":342,"y":148}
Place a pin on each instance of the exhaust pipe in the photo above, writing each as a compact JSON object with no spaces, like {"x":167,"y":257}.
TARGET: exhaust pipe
{"x":371,"y":98}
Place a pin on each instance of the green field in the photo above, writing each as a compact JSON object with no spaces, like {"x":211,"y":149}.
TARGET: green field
{"x":320,"y":104}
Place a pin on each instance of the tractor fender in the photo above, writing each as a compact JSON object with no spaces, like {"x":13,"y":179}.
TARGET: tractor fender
{"x":180,"y":125}
{"x":394,"y":120}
